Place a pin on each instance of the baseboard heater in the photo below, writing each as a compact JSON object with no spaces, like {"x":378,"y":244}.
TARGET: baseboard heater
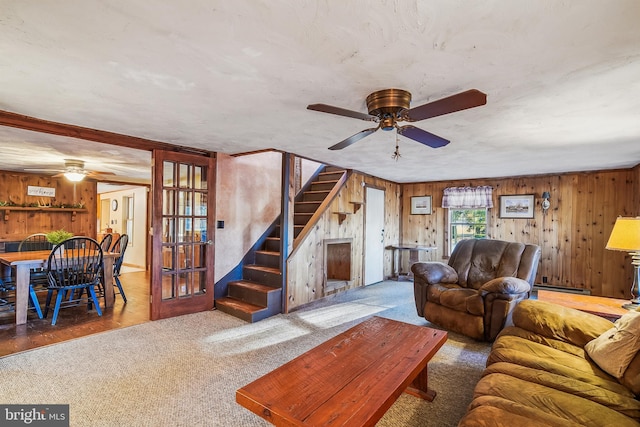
{"x":561,"y":289}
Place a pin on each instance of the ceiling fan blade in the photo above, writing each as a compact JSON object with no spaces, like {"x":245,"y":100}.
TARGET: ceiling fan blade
{"x":99,"y":173}
{"x":352,"y":139}
{"x":324,"y":108}
{"x":41,"y":170}
{"x":422,"y":136}
{"x":461,"y":101}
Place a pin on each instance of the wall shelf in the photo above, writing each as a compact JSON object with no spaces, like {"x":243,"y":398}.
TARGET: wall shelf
{"x":356,"y":206}
{"x":341,"y":216}
{"x":73,"y":211}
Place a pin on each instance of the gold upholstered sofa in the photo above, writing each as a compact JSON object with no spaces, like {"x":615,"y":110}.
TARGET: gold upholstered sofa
{"x":557,"y":366}
{"x":476,"y":291}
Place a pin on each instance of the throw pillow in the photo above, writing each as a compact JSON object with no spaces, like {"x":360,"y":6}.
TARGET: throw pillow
{"x":614,"y":349}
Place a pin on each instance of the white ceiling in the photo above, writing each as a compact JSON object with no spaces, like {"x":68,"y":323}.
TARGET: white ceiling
{"x":562,"y":80}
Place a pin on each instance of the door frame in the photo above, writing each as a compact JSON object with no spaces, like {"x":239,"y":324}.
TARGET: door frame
{"x":160,"y":308}
{"x":365,"y":281}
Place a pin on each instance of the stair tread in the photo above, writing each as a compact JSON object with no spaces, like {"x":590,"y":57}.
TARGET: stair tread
{"x":264,"y":268}
{"x":254,"y":286}
{"x":267,"y":252}
{"x":329,"y":181}
{"x":240,"y":305}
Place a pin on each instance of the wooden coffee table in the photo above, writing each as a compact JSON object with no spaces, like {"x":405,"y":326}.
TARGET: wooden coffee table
{"x":610,"y":308}
{"x":350,"y":380}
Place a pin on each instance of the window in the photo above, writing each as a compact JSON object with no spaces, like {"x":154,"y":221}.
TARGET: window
{"x":466,"y":224}
{"x":127,"y":216}
{"x":467,"y":212}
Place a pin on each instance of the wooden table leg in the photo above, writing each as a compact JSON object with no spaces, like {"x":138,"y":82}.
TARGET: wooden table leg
{"x":396,"y":263}
{"x":419,"y":387}
{"x":22,"y":293}
{"x":108,"y":281}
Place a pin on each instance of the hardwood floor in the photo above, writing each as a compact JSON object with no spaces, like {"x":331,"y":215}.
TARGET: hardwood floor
{"x":77,"y":321}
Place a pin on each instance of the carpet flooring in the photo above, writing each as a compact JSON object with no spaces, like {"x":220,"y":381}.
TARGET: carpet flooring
{"x":184,"y":371}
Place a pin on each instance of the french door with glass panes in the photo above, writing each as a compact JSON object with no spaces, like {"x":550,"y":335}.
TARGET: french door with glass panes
{"x":183,"y":215}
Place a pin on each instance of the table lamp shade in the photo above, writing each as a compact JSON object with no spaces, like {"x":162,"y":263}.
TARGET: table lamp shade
{"x":625,"y":235}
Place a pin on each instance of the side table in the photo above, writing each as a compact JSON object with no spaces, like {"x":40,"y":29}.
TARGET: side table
{"x":414,"y":251}
{"x":609,"y":308}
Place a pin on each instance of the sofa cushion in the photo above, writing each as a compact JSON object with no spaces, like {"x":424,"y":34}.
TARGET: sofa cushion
{"x":631,"y":377}
{"x":493,"y":416}
{"x":541,"y":339}
{"x":558,"y":322}
{"x":614,"y":349}
{"x":499,"y":412}
{"x":538,"y":356}
{"x":463,"y":299}
{"x":576,"y":409}
{"x":623,"y":403}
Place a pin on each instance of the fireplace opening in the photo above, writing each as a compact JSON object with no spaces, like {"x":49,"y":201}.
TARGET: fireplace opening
{"x":337,"y":255}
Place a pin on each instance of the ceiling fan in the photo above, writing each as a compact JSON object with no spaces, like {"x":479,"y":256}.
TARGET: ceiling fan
{"x":74,"y":171}
{"x":389,"y":106}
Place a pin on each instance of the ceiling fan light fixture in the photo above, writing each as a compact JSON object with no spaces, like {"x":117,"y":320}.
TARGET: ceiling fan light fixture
{"x":74,"y":176}
{"x":388,"y":123}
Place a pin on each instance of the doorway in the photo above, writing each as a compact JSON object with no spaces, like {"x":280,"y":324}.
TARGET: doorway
{"x":124,"y":210}
{"x":373,"y":236}
{"x":183,"y":213}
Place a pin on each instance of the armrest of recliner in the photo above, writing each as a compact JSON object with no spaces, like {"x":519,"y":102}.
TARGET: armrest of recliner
{"x":429,"y":273}
{"x":505,"y":285}
{"x":434,"y":272}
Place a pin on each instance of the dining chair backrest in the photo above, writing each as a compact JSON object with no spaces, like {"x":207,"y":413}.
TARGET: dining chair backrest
{"x":35,"y":242}
{"x":75,"y":267}
{"x":105,"y":243}
{"x":119,"y":246}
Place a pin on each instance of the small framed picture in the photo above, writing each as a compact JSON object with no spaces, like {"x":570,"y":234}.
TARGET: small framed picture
{"x":421,"y":205}
{"x":517,"y":206}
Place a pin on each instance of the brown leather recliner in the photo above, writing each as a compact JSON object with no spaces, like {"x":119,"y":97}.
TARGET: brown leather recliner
{"x":475,"y":293}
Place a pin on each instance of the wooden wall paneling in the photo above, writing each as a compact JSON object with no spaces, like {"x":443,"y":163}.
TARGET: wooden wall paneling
{"x":572,"y":234}
{"x":18,"y":224}
{"x":616,"y":274}
{"x":582,"y":203}
{"x":306,"y":264}
{"x":559,"y":237}
{"x":601,"y":197}
{"x":605,"y":216}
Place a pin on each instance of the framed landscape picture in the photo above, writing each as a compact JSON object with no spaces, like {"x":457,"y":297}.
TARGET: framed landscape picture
{"x":517,"y":206}
{"x":421,"y":205}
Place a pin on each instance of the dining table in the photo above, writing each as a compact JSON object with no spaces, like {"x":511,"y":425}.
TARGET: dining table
{"x":21,"y":264}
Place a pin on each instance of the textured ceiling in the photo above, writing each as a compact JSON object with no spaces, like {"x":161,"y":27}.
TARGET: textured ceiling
{"x":561,"y":78}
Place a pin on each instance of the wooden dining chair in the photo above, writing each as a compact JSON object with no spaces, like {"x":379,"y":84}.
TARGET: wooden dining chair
{"x":119,"y":246}
{"x":7,"y":294}
{"x":35,"y":242}
{"x":38,"y":282}
{"x":105,"y":243}
{"x":72,"y":272}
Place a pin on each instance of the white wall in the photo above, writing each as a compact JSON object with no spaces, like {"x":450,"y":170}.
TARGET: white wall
{"x":137,"y":249}
{"x":248,"y":201}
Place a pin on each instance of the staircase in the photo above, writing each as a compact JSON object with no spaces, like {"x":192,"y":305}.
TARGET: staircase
{"x":258,"y":294}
